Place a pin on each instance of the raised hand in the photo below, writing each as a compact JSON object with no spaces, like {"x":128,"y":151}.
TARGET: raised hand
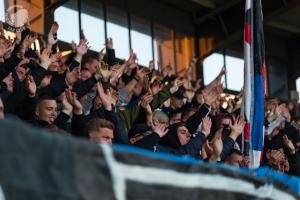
{"x":51,"y":40}
{"x":30,"y":86}
{"x":18,"y":36}
{"x":279,"y":110}
{"x":167,"y":71}
{"x":145,"y":102}
{"x":114,"y":96}
{"x":109,"y":43}
{"x":28,"y":40}
{"x":222,"y":73}
{"x":206,"y":125}
{"x":105,"y":97}
{"x":71,"y":77}
{"x":146,"y":83}
{"x":277,"y":160}
{"x":132,"y":60}
{"x":156,"y":87}
{"x":217,"y":146}
{"x":117,"y":71}
{"x":141,"y":73}
{"x":189,"y":94}
{"x":32,"y":37}
{"x":82,"y":47}
{"x":4,"y":47}
{"x":54,"y":28}
{"x":103,"y":71}
{"x":45,"y":58}
{"x":198,"y":83}
{"x":101,"y":55}
{"x":151,"y":65}
{"x":286,"y":114}
{"x":159,"y":66}
{"x":210,"y":95}
{"x":160,"y":129}
{"x":55,"y":57}
{"x":73,"y":46}
{"x":289,"y":144}
{"x":237,"y":127}
{"x":10,"y":49}
{"x":217,"y":80}
{"x":177,"y":83}
{"x":230,"y":106}
{"x":72,"y":99}
{"x":66,"y":106}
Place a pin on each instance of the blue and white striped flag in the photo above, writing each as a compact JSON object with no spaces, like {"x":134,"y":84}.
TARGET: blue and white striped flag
{"x":254,"y":82}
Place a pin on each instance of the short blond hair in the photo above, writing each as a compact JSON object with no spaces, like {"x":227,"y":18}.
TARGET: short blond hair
{"x":160,"y":116}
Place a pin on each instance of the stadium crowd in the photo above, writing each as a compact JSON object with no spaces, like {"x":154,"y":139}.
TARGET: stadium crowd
{"x":104,"y":99}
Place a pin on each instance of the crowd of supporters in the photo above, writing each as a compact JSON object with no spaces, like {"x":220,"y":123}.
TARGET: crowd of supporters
{"x":104,"y":99}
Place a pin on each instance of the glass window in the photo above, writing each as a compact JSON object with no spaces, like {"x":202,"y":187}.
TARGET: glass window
{"x":212,"y":65}
{"x":298,"y":87}
{"x":68,"y":20}
{"x":2,"y":11}
{"x":117,"y":29}
{"x":141,"y":39}
{"x":235,"y":73}
{"x":164,"y":45}
{"x":92,"y":23}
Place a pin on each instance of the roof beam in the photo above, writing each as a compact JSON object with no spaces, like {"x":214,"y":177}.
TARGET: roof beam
{"x":217,"y":11}
{"x":205,"y":3}
{"x":284,"y":26}
{"x":238,"y":33}
{"x":56,"y":4}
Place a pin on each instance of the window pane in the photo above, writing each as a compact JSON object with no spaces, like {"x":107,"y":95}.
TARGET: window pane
{"x":117,"y":29}
{"x":2,"y":11}
{"x":212,"y":65}
{"x":141,"y":40}
{"x":235,"y":73}
{"x":163,"y":45}
{"x":298,"y":87}
{"x":92,"y":23}
{"x":67,"y":18}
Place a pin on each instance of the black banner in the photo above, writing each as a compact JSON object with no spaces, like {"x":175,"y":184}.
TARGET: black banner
{"x":37,"y":165}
